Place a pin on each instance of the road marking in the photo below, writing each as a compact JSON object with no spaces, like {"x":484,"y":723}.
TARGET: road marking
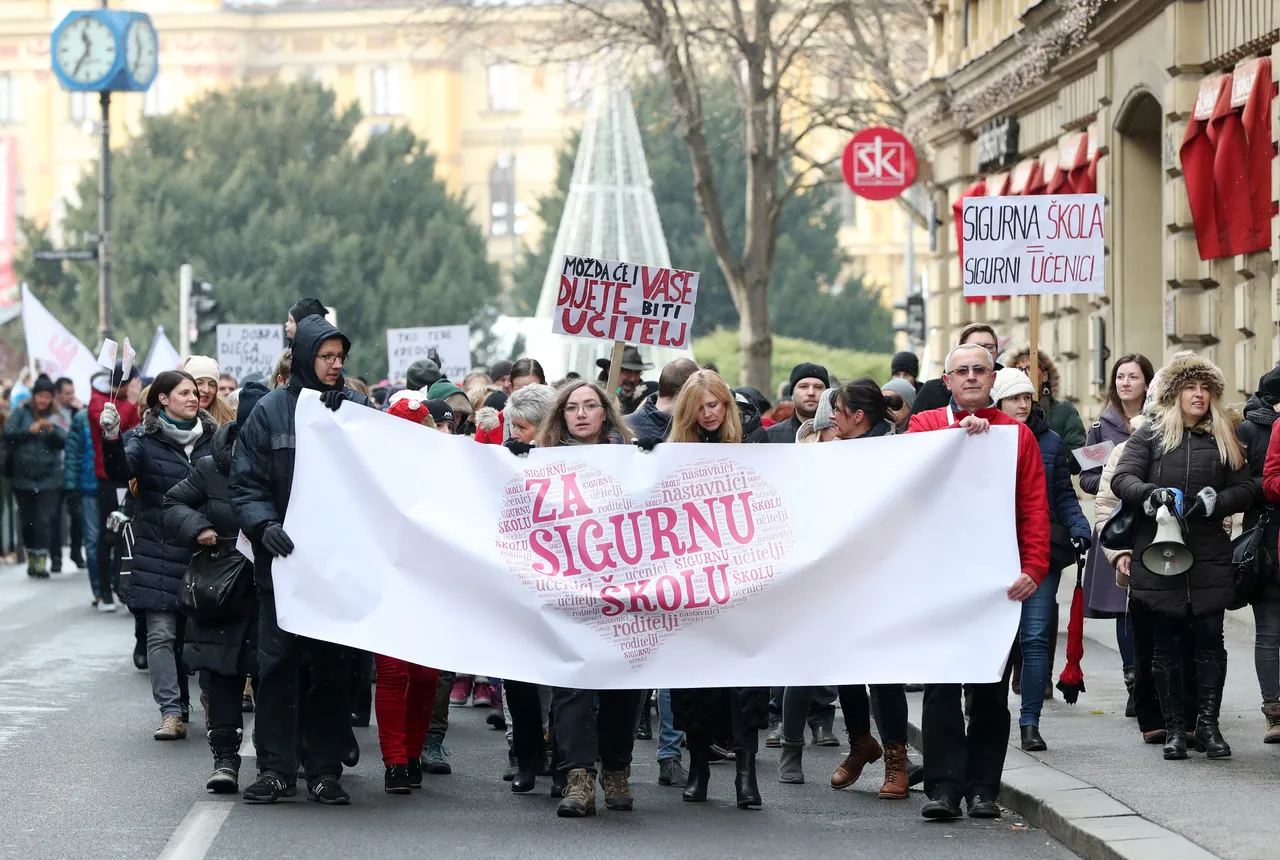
{"x":247,"y":749}
{"x":194,"y":836}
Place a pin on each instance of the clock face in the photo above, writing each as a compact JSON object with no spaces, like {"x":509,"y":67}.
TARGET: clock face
{"x":86,"y":50}
{"x":142,"y":51}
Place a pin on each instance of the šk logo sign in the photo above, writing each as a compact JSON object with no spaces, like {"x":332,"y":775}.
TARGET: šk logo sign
{"x":879,"y":164}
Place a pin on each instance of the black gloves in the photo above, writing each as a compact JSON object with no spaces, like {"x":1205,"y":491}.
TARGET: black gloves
{"x":275,"y":541}
{"x":1206,"y":501}
{"x":332,"y":399}
{"x":1160,"y":497}
{"x":515,"y":446}
{"x":648,"y":443}
{"x":1081,"y":545}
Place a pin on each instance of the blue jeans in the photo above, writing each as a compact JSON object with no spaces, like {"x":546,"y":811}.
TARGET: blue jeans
{"x":1033,"y":634}
{"x":89,"y":513}
{"x":668,"y":737}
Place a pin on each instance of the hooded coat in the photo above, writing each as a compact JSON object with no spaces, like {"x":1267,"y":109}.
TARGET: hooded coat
{"x":1064,"y":418}
{"x":35,"y":458}
{"x":1066,"y":520}
{"x":262,"y":468}
{"x":159,"y":464}
{"x":1209,"y":585}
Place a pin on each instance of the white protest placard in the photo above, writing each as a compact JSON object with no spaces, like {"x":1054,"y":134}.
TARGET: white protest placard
{"x":126,"y":361}
{"x":1040,"y":245}
{"x":1093,"y":456}
{"x":407,"y":345}
{"x":603,"y":567}
{"x":627,"y":302}
{"x":107,"y":355}
{"x":244,"y":546}
{"x":244,"y":349}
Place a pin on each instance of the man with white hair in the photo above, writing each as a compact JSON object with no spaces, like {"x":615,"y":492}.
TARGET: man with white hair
{"x":969,"y":764}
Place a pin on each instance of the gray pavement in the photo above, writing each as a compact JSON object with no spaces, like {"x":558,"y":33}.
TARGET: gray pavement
{"x":81,"y":778}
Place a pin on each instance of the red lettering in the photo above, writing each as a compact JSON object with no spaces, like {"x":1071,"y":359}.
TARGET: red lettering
{"x":633,"y":557}
{"x":536,"y":538}
{"x":572,"y":323}
{"x":572,"y":568}
{"x":566,"y":291}
{"x":745,"y":500}
{"x":606,"y":559}
{"x":676,"y":340}
{"x":711,"y":571}
{"x":711,"y":531}
{"x":543,"y":484}
{"x":635,"y":590}
{"x":664,"y":582}
{"x":574,"y":504}
{"x":664,"y":533}
{"x":607,"y":595}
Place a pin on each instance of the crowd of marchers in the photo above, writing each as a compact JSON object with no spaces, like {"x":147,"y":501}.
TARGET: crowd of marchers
{"x":160,"y":479}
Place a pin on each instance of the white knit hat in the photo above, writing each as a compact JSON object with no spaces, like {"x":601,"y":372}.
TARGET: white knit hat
{"x":1010,"y":381}
{"x":202,"y":367}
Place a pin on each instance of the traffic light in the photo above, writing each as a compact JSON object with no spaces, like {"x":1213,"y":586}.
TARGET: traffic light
{"x":201,"y":307}
{"x":915,"y":325}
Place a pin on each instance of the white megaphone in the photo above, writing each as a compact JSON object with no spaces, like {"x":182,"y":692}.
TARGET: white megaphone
{"x":1168,"y":554}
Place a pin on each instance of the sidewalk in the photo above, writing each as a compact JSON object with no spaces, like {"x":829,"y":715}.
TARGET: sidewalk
{"x":1230,"y":807}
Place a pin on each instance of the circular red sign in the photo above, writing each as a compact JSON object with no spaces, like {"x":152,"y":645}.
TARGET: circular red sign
{"x":879,"y":163}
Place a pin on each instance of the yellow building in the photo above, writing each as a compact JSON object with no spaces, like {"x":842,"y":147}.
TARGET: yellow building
{"x":1017,"y":83}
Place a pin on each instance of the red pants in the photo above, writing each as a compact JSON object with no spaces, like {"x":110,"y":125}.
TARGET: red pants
{"x":405,"y":695}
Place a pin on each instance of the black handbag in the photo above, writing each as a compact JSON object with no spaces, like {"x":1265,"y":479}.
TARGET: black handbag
{"x":215,"y":584}
{"x":1120,"y":529}
{"x":1250,"y":561}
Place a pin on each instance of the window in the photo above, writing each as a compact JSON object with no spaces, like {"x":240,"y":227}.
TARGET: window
{"x":9,"y":98}
{"x":968,"y":19}
{"x":507,"y":216}
{"x":503,"y":92}
{"x":386,"y":91}
{"x":156,"y":102}
{"x":579,"y":81}
{"x":77,"y":107}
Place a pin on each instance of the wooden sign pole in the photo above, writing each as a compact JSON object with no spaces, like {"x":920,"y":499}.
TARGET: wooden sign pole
{"x":615,"y":369}
{"x":1033,"y":308}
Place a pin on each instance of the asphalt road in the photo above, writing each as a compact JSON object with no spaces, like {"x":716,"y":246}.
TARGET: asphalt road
{"x":80,"y":777}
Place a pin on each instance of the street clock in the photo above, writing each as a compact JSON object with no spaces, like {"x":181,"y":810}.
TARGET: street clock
{"x":106,"y":50}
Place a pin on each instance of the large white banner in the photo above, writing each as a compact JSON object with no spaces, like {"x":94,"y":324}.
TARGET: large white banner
{"x":602,"y":567}
{"x":245,"y":349}
{"x":54,"y":350}
{"x":1034,"y":245}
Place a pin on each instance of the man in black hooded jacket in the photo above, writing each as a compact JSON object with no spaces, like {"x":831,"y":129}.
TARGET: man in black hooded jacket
{"x":261,"y":479}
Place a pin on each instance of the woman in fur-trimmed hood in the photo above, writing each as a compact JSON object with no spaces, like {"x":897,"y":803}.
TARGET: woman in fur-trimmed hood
{"x":1064,"y":418}
{"x":1188,"y":445}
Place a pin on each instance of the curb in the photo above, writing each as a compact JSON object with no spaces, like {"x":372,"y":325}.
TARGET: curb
{"x":1087,"y":820}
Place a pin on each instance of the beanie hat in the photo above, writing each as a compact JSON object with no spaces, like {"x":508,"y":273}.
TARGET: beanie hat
{"x":1269,"y":387}
{"x":823,"y":418}
{"x":202,"y":367}
{"x":404,"y":394}
{"x":1010,"y":381}
{"x":903,"y":389}
{"x":905,"y":362}
{"x":43,"y":384}
{"x":496,"y":400}
{"x":810,"y":371}
{"x":250,"y":394}
{"x":422,"y":374}
{"x":443,"y":389}
{"x":307,"y":307}
{"x":440,"y":411}
{"x":501,"y":369}
{"x":409,"y":408}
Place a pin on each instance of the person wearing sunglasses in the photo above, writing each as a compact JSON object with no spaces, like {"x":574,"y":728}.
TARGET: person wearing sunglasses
{"x":960,"y":763}
{"x":934,"y":394}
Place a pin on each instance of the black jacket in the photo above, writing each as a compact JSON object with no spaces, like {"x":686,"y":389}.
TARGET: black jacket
{"x":1208,"y":586}
{"x":158,"y":464}
{"x":784,"y":432}
{"x":203,"y":501}
{"x":648,"y":422}
{"x":1255,"y":434}
{"x":752,"y":430}
{"x":262,"y":468}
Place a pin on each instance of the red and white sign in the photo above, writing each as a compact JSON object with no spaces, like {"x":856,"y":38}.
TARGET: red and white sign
{"x":629,"y":302}
{"x":603,"y":567}
{"x":879,"y":163}
{"x":8,"y":219}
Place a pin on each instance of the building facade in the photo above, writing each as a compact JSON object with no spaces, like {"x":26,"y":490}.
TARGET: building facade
{"x":1141,"y":101}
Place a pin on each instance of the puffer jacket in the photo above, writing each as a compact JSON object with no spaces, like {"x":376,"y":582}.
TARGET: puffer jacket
{"x":79,"y":474}
{"x":262,"y":468}
{"x":1208,"y":586}
{"x":1255,"y":435}
{"x":158,"y":463}
{"x":203,"y":501}
{"x":649,"y":422}
{"x":1064,"y":507}
{"x":35,"y":458}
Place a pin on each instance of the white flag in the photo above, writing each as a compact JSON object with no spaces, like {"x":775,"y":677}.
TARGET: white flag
{"x":54,"y":350}
{"x":161,"y":356}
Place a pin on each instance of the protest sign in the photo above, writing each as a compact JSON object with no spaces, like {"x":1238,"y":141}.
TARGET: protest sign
{"x":1039,"y":245}
{"x":244,"y":349}
{"x":53,"y":349}
{"x":107,"y":355}
{"x":625,"y":302}
{"x":407,"y":345}
{"x":1093,"y":456}
{"x":127,"y":358}
{"x":602,"y":567}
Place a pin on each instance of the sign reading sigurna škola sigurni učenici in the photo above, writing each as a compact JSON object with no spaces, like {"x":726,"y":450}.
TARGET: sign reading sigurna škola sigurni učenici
{"x":626,"y":302}
{"x":1038,"y":245}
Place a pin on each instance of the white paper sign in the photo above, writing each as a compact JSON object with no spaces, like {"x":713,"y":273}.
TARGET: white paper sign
{"x":1093,"y":456}
{"x":126,"y":363}
{"x":407,"y":345}
{"x":244,"y":545}
{"x":53,"y":349}
{"x":245,"y":349}
{"x":107,"y":355}
{"x":610,"y":300}
{"x":602,"y":567}
{"x":1039,"y":245}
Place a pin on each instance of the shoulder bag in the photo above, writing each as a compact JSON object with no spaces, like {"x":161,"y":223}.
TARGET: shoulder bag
{"x":215,"y":584}
{"x":1250,"y":561}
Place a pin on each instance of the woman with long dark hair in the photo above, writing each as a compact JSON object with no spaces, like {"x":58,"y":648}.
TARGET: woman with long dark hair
{"x":527,"y":371}
{"x":1190,"y":447}
{"x":175,"y":432}
{"x":1131,"y":377}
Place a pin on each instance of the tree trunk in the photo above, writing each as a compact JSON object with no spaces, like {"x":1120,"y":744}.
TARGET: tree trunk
{"x":755,"y":335}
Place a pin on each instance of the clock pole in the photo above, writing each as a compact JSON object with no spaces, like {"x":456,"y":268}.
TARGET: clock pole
{"x":104,"y":220}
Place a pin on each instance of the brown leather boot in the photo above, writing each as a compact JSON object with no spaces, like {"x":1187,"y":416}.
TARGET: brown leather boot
{"x":1271,"y":710}
{"x":895,"y":773}
{"x":863,"y":750}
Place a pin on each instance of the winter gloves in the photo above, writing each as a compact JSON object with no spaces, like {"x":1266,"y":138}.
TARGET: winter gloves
{"x":1161,"y":497}
{"x":648,"y":443}
{"x":515,"y":446}
{"x":1203,"y":506}
{"x":110,"y":421}
{"x":276,"y":542}
{"x":1081,"y":545}
{"x":1206,"y":501}
{"x":332,"y":400}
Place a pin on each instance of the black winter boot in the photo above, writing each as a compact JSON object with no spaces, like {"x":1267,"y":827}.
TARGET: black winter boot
{"x":1130,"y":706}
{"x":695,"y":788}
{"x":1167,"y":675}
{"x":1211,"y":676}
{"x":744,"y":783}
{"x":225,"y":745}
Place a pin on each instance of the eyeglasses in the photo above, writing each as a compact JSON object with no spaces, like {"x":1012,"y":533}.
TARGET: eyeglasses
{"x":978,"y":371}
{"x":893,"y":402}
{"x":585,"y":408}
{"x":332,"y":359}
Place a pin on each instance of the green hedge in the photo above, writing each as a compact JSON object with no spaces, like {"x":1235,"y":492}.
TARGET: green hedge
{"x":721,"y":348}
